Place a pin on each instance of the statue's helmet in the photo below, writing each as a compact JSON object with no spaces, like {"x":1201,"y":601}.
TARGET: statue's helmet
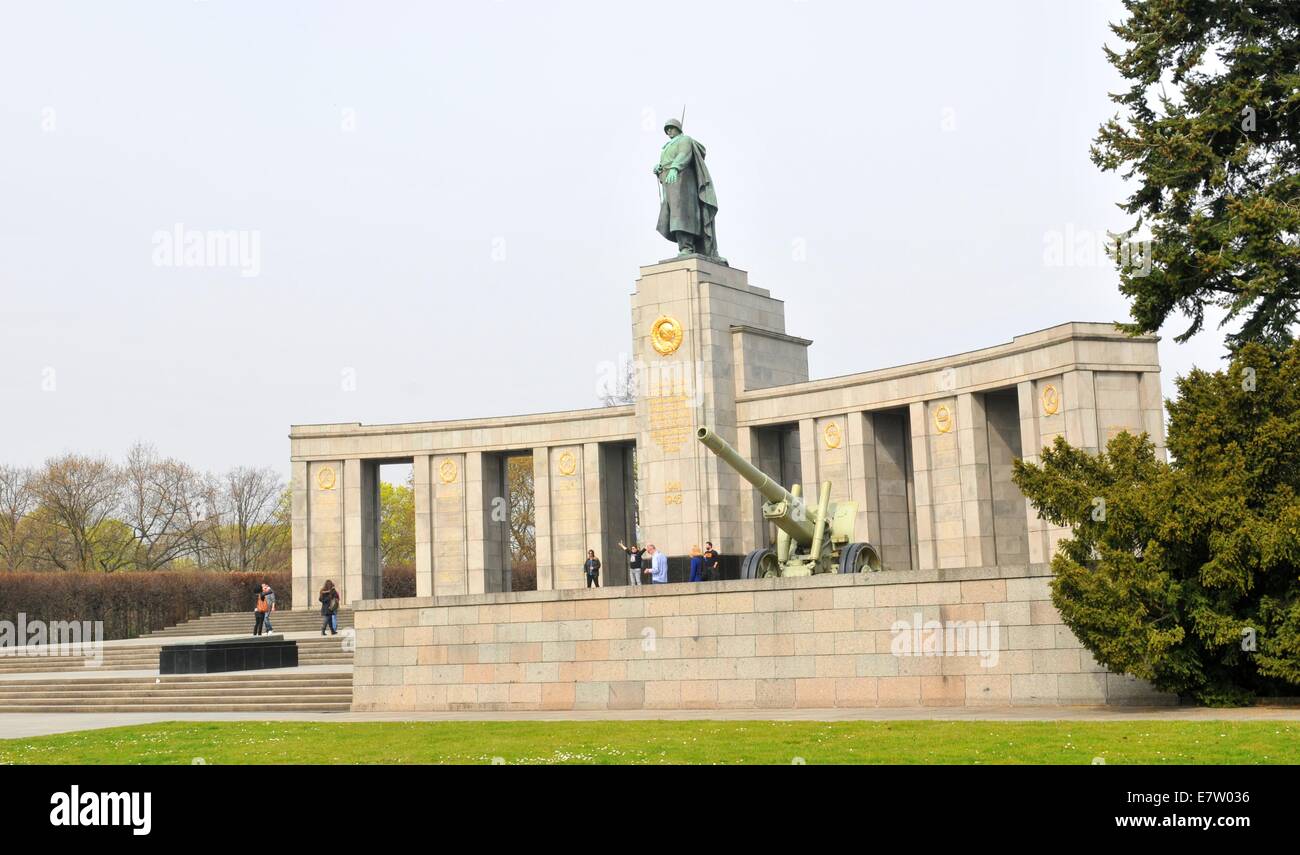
{"x":672,"y":123}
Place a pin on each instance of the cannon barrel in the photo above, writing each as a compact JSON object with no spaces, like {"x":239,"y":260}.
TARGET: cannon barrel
{"x":797,"y":525}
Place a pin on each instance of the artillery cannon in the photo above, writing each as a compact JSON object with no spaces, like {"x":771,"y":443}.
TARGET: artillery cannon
{"x":809,"y":539}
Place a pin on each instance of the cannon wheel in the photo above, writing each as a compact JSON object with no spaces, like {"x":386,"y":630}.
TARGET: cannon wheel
{"x":759,"y":563}
{"x":859,"y":558}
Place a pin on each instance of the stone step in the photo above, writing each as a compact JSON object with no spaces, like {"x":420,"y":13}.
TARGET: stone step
{"x":232,"y":677}
{"x":84,"y":694}
{"x":196,"y":700}
{"x":230,"y":680}
{"x":236,"y":623}
{"x":287,"y":691}
{"x":146,"y":697}
{"x":257,"y":707}
{"x":311,"y":651}
{"x":240,"y":623}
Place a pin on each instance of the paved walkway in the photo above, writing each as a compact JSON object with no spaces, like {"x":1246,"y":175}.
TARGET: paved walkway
{"x":21,"y":725}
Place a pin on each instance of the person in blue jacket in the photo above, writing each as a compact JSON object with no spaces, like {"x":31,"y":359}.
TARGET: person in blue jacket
{"x":697,"y":565}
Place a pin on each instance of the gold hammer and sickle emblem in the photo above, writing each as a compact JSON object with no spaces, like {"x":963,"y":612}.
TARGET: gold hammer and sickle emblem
{"x":666,"y":335}
{"x":832,"y":435}
{"x":1051,"y":400}
{"x":942,"y":418}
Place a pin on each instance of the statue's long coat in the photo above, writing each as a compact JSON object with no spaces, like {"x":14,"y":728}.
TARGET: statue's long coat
{"x":689,"y":205}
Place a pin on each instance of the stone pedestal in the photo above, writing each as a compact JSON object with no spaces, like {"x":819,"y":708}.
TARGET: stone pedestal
{"x":228,"y":654}
{"x":701,"y":334}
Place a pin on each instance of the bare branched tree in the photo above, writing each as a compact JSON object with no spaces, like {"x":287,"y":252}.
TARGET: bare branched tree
{"x":78,"y":495}
{"x":17,"y":501}
{"x":251,"y":529}
{"x":164,"y":504}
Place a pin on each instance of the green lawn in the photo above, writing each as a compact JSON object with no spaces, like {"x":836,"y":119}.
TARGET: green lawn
{"x":732,"y":742}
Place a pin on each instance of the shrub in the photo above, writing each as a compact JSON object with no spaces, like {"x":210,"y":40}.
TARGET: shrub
{"x":1187,"y":573}
{"x":398,"y":581}
{"x":134,"y":603}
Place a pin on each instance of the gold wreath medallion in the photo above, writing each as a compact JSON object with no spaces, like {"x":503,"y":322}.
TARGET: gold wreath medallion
{"x":447,"y":471}
{"x":666,"y":335}
{"x":1051,"y":400}
{"x":831,"y":433}
{"x":942,"y":418}
{"x":568,"y":463}
{"x":326,"y":479}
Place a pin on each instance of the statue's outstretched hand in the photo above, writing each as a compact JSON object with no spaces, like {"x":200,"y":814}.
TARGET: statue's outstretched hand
{"x":671,"y":178}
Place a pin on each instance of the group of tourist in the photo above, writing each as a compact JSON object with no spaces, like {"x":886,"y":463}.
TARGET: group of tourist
{"x":649,"y":566}
{"x":646,"y":566}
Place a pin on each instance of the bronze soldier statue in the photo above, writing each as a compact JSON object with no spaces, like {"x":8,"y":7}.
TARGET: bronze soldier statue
{"x":687,"y":204}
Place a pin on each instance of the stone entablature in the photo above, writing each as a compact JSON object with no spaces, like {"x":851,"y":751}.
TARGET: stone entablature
{"x":499,"y":433}
{"x":1068,"y":347}
{"x":813,"y":642}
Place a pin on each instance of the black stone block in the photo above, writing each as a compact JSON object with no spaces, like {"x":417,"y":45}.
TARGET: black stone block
{"x":229,"y":654}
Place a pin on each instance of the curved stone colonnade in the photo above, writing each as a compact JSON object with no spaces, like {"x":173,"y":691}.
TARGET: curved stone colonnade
{"x":924,"y":450}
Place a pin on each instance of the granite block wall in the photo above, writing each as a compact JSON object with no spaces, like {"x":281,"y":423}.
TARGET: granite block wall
{"x":828,"y":641}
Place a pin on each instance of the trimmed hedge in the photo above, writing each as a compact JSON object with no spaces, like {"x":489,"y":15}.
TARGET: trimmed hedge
{"x":399,"y":581}
{"x":134,"y":603}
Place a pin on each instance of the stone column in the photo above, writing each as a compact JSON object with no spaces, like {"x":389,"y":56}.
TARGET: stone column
{"x":421,"y":481}
{"x":325,"y":481}
{"x":301,"y":535}
{"x":354,"y":560}
{"x":1031,"y":442}
{"x":568,"y":541}
{"x":1078,"y":403}
{"x":1059,"y":405}
{"x":476,"y":530}
{"x":840,"y":462}
{"x":450,"y":556}
{"x":808,"y":468}
{"x":542,"y":518}
{"x":926,"y":551}
{"x":976,"y":484}
{"x":860,"y":454}
{"x":752,"y":526}
{"x":596,"y":521}
{"x":1153,"y":410}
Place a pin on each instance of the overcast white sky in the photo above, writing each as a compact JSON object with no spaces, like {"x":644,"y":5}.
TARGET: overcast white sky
{"x":452,"y":199}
